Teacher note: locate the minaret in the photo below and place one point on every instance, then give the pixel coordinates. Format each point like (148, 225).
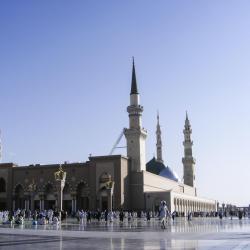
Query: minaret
(1, 148)
(188, 160)
(135, 134)
(158, 141)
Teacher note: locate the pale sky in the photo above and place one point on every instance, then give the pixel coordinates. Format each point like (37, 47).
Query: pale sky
(65, 74)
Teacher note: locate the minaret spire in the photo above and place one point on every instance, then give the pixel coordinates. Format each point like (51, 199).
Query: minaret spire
(188, 160)
(1, 147)
(158, 140)
(187, 122)
(135, 134)
(134, 89)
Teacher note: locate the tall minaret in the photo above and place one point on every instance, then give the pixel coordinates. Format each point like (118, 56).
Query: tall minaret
(1, 152)
(188, 160)
(135, 134)
(158, 140)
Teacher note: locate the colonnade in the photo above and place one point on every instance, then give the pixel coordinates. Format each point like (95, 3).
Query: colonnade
(184, 206)
(39, 202)
(29, 202)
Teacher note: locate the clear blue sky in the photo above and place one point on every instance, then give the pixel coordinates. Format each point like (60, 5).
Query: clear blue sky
(65, 73)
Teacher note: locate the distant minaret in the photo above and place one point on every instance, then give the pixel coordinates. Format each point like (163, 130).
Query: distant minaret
(158, 141)
(188, 160)
(1, 147)
(135, 134)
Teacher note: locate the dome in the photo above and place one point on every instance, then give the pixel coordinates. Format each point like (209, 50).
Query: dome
(158, 167)
(168, 173)
(155, 166)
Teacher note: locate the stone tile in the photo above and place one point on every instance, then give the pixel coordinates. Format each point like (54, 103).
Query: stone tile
(201, 233)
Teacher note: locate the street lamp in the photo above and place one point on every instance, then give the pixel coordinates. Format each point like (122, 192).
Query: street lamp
(110, 188)
(60, 177)
(32, 190)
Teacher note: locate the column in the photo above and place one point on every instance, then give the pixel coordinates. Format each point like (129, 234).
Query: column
(182, 206)
(73, 202)
(110, 197)
(72, 206)
(41, 201)
(185, 207)
(14, 205)
(32, 201)
(28, 204)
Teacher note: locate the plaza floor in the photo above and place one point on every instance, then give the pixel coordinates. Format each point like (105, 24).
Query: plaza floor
(200, 233)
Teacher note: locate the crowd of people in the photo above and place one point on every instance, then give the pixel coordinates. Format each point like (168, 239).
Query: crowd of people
(54, 217)
(37, 217)
(110, 216)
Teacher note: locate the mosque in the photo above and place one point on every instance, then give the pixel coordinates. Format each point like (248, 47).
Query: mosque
(110, 181)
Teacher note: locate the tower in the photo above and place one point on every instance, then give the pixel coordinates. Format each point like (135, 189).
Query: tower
(1, 148)
(188, 160)
(135, 134)
(158, 141)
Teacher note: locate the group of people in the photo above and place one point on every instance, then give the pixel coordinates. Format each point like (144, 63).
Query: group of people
(37, 217)
(7, 217)
(88, 216)
(47, 217)
(55, 217)
(110, 216)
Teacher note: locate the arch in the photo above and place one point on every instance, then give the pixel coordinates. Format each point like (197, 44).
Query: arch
(104, 180)
(2, 185)
(82, 195)
(81, 188)
(46, 186)
(49, 189)
(19, 196)
(67, 198)
(19, 190)
(49, 196)
(75, 187)
(105, 177)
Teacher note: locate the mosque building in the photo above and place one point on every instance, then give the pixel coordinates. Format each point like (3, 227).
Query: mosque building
(111, 181)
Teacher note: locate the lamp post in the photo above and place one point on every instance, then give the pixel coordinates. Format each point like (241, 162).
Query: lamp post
(60, 177)
(110, 188)
(32, 190)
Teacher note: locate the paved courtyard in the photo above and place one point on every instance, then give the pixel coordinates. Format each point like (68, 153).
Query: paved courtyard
(200, 233)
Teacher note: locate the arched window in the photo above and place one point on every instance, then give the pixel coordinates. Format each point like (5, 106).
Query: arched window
(2, 185)
(19, 191)
(105, 177)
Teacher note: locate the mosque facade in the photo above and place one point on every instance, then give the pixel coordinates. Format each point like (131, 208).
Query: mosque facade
(112, 181)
